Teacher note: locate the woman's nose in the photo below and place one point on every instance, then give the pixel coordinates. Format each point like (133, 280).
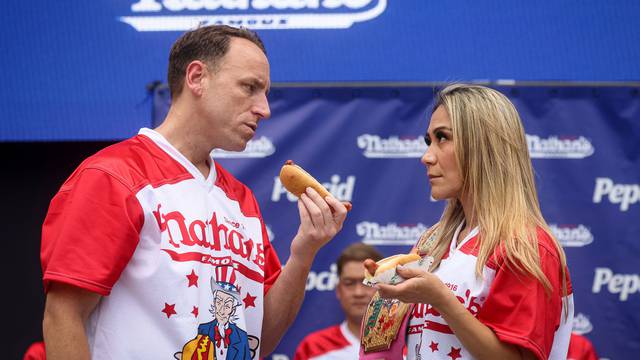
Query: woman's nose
(428, 158)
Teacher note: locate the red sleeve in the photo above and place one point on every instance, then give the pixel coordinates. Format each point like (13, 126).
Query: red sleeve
(272, 266)
(321, 342)
(303, 351)
(520, 311)
(580, 348)
(35, 352)
(90, 232)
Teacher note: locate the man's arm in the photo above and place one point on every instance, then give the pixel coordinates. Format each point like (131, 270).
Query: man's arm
(318, 225)
(66, 311)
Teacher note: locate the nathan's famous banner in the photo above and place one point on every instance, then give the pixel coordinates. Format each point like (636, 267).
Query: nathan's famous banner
(364, 144)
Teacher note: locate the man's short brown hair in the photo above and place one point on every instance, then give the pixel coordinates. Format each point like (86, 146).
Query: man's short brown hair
(357, 252)
(208, 44)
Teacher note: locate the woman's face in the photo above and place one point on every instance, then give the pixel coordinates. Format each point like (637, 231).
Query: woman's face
(440, 159)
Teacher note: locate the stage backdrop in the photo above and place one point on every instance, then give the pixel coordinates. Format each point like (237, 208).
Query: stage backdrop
(77, 70)
(365, 145)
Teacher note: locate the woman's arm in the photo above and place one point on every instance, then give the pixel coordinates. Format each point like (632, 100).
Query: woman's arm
(477, 338)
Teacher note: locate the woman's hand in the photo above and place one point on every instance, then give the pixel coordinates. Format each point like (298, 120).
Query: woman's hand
(420, 287)
(477, 338)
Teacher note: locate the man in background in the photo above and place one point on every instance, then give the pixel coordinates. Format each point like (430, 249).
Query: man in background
(580, 348)
(342, 341)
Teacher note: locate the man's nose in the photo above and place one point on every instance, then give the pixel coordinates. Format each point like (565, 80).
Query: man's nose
(261, 108)
(361, 289)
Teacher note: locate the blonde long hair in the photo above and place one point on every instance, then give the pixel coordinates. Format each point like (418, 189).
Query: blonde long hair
(497, 176)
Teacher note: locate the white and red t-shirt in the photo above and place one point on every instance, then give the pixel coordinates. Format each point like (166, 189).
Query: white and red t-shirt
(333, 343)
(517, 308)
(139, 224)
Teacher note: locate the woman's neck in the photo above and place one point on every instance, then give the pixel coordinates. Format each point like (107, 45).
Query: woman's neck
(470, 220)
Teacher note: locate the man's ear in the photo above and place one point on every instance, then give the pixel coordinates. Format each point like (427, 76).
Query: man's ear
(196, 73)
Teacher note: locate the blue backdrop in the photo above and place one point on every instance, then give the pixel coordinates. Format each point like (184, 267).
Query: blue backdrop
(365, 144)
(77, 70)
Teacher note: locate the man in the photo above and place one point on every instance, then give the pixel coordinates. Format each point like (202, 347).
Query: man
(343, 341)
(138, 230)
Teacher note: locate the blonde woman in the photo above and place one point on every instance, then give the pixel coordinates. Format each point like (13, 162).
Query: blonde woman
(499, 287)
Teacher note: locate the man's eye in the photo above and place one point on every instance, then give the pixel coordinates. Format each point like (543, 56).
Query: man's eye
(250, 87)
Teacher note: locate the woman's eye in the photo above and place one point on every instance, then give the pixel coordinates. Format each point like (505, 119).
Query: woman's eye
(427, 140)
(441, 136)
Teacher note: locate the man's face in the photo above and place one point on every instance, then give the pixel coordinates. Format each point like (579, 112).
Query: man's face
(352, 294)
(234, 96)
(224, 306)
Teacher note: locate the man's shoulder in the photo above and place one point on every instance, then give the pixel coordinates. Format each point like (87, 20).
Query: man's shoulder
(226, 179)
(321, 342)
(331, 336)
(136, 162)
(236, 190)
(331, 331)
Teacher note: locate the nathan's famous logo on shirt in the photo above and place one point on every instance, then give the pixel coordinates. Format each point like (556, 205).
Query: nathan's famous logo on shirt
(623, 284)
(581, 324)
(435, 322)
(323, 280)
(256, 148)
(196, 240)
(181, 15)
(623, 194)
(341, 190)
(572, 235)
(559, 147)
(376, 147)
(373, 233)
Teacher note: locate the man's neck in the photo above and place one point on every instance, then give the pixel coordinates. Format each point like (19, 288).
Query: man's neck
(354, 328)
(186, 140)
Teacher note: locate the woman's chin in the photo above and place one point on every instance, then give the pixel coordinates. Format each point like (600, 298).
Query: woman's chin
(438, 196)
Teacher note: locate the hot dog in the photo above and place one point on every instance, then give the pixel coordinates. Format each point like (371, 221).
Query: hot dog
(375, 268)
(370, 266)
(296, 180)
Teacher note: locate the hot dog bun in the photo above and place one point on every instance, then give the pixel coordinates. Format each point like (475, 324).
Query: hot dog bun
(390, 263)
(296, 180)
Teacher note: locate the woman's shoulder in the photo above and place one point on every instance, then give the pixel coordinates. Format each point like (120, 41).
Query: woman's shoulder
(547, 250)
(546, 244)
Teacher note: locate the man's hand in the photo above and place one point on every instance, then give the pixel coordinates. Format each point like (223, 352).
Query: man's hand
(320, 220)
